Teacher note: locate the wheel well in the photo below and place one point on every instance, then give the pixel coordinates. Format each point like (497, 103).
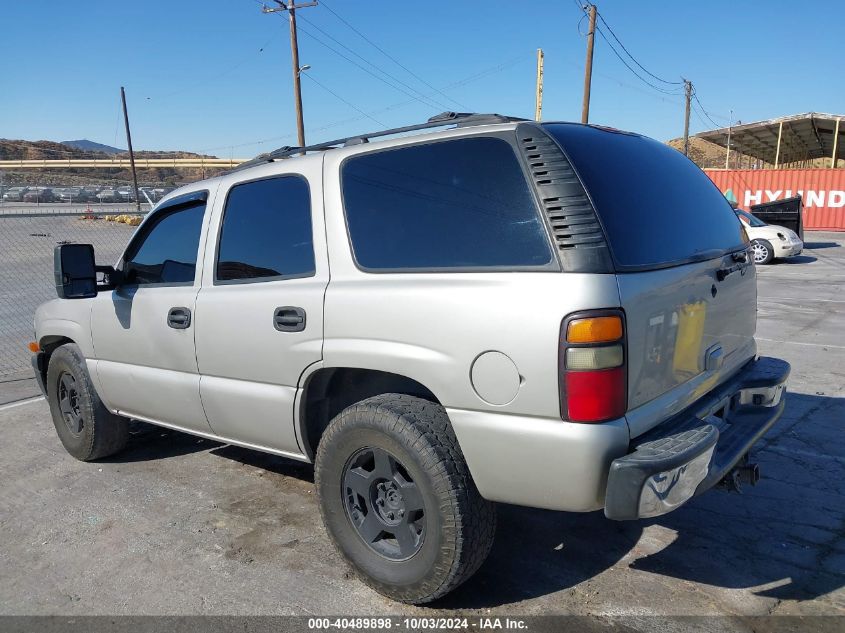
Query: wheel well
(48, 345)
(329, 391)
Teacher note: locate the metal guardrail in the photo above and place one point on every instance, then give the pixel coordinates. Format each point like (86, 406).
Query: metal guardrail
(27, 241)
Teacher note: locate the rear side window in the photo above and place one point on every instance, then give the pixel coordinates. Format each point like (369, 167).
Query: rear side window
(657, 207)
(461, 204)
(166, 251)
(266, 231)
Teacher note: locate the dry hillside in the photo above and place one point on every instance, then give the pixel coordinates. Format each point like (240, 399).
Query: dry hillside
(706, 154)
(32, 150)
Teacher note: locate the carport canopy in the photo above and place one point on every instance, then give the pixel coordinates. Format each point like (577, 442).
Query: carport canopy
(786, 139)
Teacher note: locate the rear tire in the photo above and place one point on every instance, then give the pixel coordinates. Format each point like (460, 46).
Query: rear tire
(87, 430)
(397, 498)
(762, 252)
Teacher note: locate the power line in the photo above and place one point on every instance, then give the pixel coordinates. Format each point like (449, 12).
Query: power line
(396, 80)
(367, 70)
(634, 72)
(644, 69)
(351, 105)
(704, 123)
(627, 65)
(191, 85)
(707, 114)
(391, 58)
(456, 84)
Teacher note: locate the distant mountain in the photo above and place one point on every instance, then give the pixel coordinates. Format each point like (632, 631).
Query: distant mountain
(91, 146)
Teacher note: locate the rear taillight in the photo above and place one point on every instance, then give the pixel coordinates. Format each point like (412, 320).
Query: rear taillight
(593, 385)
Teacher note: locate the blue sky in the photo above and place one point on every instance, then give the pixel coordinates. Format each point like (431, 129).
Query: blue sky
(215, 76)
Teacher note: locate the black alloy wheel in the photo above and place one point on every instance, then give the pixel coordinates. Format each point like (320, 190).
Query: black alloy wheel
(384, 504)
(69, 403)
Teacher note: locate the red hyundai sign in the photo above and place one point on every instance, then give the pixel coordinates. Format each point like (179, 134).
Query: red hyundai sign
(822, 190)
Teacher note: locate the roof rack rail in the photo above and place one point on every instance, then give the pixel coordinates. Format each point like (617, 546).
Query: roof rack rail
(459, 119)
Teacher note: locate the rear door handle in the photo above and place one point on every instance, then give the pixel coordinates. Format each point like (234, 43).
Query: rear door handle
(179, 318)
(289, 319)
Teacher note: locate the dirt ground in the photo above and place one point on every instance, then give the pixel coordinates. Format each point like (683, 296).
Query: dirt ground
(178, 525)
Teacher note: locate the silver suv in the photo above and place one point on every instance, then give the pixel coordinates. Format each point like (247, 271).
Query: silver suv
(492, 310)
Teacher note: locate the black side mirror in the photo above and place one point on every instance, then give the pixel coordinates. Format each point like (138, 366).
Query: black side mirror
(74, 271)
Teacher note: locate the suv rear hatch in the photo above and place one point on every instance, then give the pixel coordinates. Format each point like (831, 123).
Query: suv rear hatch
(686, 285)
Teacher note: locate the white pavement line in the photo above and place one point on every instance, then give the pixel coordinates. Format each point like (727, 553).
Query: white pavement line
(775, 300)
(20, 403)
(775, 277)
(774, 340)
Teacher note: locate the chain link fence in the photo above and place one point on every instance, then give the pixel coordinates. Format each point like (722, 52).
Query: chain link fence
(27, 240)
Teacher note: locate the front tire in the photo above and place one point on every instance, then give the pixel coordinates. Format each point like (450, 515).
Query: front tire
(762, 252)
(397, 498)
(87, 430)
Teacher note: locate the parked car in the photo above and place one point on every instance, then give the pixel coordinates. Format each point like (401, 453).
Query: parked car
(125, 193)
(67, 194)
(39, 195)
(550, 315)
(109, 196)
(15, 194)
(769, 241)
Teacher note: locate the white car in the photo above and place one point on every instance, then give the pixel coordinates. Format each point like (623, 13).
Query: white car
(769, 241)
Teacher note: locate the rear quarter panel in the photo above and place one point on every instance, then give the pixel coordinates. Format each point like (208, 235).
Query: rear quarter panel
(432, 326)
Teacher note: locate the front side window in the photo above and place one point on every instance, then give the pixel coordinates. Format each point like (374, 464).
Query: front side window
(461, 204)
(266, 231)
(166, 251)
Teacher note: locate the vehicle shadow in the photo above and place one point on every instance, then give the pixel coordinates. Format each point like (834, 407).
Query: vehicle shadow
(271, 463)
(148, 442)
(814, 245)
(795, 259)
(783, 536)
(781, 539)
(538, 552)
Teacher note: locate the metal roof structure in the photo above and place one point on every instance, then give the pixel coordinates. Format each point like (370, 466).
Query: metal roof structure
(785, 140)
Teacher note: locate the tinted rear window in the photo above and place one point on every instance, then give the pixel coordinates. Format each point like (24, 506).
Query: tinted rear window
(657, 207)
(446, 205)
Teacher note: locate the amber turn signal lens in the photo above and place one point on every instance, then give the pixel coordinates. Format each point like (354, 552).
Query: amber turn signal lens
(34, 347)
(594, 330)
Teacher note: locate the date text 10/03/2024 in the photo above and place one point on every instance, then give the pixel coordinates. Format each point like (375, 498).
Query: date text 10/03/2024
(417, 624)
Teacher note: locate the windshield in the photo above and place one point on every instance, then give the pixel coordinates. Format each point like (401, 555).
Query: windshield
(657, 208)
(752, 220)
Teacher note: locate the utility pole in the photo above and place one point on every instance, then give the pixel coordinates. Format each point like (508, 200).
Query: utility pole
(730, 127)
(131, 153)
(291, 8)
(688, 96)
(588, 70)
(538, 97)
